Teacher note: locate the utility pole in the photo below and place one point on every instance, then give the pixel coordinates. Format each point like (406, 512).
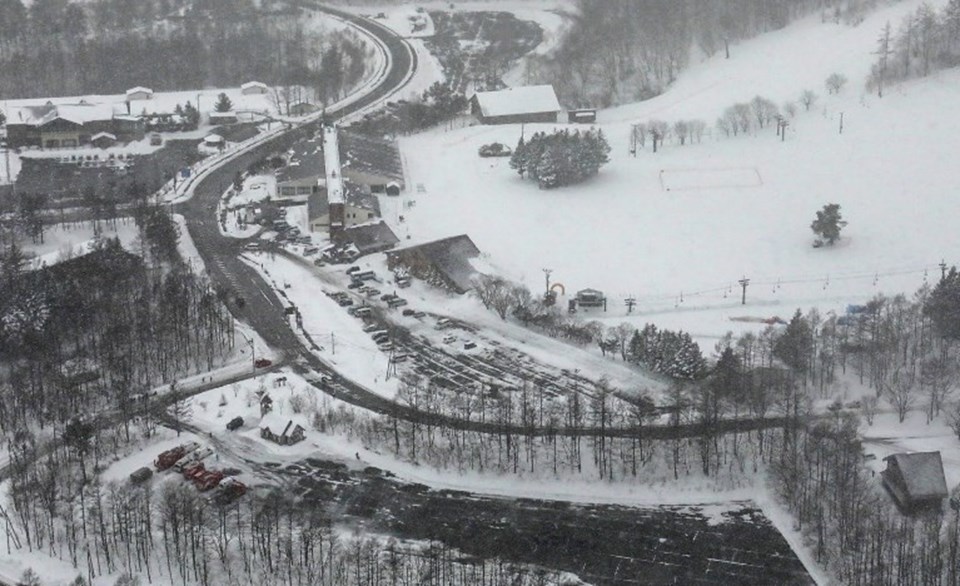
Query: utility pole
(546, 274)
(841, 122)
(943, 269)
(743, 283)
(333, 343)
(631, 302)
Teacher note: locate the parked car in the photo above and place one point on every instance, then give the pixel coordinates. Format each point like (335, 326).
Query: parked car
(449, 339)
(353, 269)
(469, 345)
(396, 302)
(141, 475)
(495, 149)
(355, 285)
(262, 362)
(235, 423)
(344, 301)
(371, 327)
(252, 246)
(408, 311)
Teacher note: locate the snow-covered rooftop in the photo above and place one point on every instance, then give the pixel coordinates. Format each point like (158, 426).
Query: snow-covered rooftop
(253, 84)
(78, 113)
(139, 89)
(331, 161)
(518, 100)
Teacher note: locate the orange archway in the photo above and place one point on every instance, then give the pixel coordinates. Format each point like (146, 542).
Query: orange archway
(563, 290)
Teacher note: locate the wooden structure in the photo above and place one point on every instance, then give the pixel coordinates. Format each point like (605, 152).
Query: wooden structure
(292, 434)
(915, 480)
(591, 298)
(582, 116)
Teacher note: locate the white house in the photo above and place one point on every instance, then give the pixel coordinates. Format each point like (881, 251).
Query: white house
(139, 93)
(252, 88)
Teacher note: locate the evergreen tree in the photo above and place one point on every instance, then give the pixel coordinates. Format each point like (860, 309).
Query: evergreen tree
(943, 306)
(795, 345)
(223, 103)
(518, 160)
(548, 174)
(828, 224)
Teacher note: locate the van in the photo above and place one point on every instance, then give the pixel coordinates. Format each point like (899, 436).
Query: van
(444, 322)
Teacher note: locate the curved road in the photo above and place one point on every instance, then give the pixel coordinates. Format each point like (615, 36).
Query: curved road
(264, 311)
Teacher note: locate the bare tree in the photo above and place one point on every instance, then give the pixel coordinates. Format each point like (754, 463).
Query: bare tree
(835, 83)
(898, 387)
(763, 109)
(681, 129)
(808, 98)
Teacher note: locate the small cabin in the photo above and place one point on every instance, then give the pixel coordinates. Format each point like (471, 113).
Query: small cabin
(582, 116)
(591, 298)
(252, 88)
(915, 480)
(139, 93)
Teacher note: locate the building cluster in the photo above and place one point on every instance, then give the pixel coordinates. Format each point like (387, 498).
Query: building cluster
(103, 123)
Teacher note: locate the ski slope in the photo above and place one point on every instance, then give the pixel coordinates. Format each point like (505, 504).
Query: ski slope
(679, 228)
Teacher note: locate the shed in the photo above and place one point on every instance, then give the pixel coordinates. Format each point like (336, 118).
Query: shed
(517, 105)
(139, 93)
(393, 188)
(582, 115)
(915, 479)
(253, 88)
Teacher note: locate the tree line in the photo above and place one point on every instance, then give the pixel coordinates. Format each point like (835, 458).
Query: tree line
(100, 330)
(167, 531)
(925, 41)
(622, 50)
(63, 47)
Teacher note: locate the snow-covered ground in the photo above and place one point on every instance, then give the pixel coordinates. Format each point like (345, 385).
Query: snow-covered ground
(681, 252)
(65, 241)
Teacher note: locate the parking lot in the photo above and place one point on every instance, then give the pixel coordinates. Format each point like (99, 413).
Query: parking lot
(603, 544)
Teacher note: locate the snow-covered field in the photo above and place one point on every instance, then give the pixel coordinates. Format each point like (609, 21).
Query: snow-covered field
(65, 241)
(743, 205)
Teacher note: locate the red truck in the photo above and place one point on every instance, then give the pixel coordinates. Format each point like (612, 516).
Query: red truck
(169, 458)
(193, 471)
(208, 480)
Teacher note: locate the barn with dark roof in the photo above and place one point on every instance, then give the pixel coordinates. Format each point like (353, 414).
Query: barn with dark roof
(537, 103)
(915, 480)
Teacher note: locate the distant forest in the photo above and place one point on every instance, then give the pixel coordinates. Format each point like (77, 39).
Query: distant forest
(63, 47)
(624, 50)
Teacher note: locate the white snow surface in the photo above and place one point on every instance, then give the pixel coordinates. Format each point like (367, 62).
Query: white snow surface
(748, 201)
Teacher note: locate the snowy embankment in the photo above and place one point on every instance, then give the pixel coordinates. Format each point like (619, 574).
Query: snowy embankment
(742, 206)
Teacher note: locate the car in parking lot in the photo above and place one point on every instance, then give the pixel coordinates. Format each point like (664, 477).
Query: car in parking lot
(469, 345)
(371, 292)
(262, 363)
(344, 301)
(396, 302)
(387, 296)
(409, 311)
(355, 285)
(251, 246)
(385, 346)
(235, 423)
(449, 339)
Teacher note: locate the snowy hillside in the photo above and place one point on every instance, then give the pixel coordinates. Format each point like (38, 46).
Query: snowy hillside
(678, 228)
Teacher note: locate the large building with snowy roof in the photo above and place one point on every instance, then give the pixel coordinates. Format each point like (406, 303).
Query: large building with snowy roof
(68, 125)
(537, 103)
